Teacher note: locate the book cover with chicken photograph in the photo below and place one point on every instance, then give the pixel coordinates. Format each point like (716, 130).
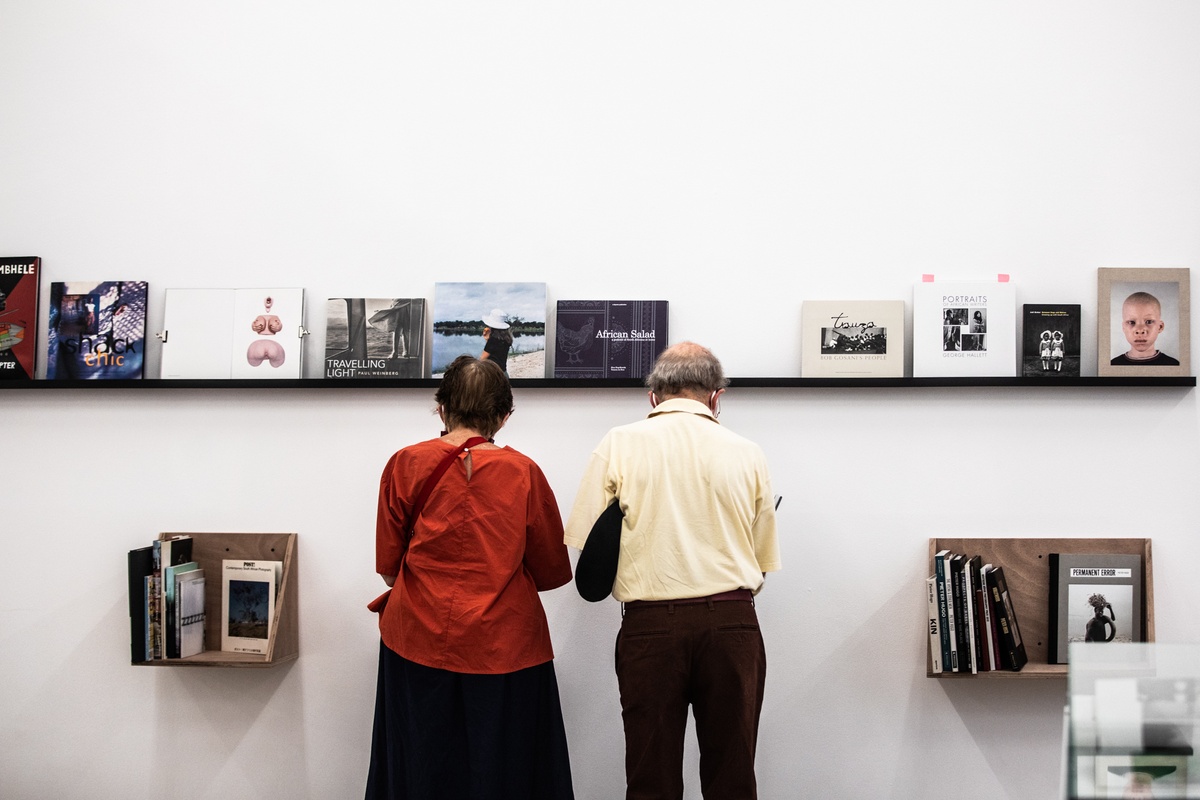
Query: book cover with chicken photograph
(608, 338)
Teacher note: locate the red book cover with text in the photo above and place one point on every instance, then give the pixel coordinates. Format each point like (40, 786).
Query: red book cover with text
(18, 316)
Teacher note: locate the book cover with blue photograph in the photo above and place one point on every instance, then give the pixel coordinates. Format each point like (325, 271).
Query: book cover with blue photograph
(97, 330)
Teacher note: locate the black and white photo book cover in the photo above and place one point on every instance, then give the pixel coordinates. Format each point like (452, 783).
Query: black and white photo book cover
(1094, 597)
(964, 328)
(852, 339)
(375, 337)
(1050, 340)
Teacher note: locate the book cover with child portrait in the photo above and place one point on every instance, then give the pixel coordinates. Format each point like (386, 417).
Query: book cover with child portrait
(1143, 322)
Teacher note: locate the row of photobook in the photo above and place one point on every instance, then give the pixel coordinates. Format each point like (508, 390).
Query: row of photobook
(973, 622)
(97, 330)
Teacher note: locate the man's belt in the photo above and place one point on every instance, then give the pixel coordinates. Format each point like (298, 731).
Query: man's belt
(733, 594)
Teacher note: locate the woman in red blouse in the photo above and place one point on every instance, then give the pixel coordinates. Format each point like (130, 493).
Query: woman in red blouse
(467, 704)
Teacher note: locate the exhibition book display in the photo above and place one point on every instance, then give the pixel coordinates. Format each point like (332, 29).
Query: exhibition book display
(964, 333)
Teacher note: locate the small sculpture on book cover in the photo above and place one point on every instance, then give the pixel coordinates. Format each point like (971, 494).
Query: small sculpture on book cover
(1100, 623)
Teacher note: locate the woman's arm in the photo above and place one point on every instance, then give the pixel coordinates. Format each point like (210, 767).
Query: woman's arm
(546, 556)
(389, 525)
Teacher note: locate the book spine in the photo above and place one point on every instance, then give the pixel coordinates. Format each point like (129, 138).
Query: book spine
(945, 612)
(168, 614)
(961, 620)
(987, 623)
(1052, 654)
(1012, 648)
(977, 629)
(191, 617)
(156, 616)
(140, 564)
(935, 638)
(969, 614)
(997, 611)
(148, 613)
(177, 620)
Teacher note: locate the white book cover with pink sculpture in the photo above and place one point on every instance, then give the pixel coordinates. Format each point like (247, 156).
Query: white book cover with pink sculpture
(233, 333)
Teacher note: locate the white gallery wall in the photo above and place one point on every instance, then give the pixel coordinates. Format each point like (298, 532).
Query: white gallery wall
(732, 158)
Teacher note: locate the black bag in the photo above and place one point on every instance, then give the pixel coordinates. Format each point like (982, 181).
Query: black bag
(596, 569)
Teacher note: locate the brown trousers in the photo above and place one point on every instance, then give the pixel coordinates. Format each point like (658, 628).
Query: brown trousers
(706, 655)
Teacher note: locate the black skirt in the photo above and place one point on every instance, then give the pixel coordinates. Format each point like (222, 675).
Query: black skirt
(443, 735)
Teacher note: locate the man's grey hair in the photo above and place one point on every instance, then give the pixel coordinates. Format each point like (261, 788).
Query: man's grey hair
(686, 367)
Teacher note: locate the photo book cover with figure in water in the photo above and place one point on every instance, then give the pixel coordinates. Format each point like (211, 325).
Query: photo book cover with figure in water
(504, 322)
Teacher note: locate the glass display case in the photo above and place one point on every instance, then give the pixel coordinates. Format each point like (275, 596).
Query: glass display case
(1131, 721)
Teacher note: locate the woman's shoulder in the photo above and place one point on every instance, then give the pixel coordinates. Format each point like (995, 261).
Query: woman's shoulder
(518, 459)
(428, 445)
(420, 451)
(510, 452)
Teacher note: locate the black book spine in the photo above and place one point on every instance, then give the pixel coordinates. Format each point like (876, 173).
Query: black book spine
(977, 617)
(1012, 647)
(962, 619)
(1052, 614)
(141, 564)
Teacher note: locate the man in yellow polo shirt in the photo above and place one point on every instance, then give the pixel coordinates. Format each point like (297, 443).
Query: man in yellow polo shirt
(697, 539)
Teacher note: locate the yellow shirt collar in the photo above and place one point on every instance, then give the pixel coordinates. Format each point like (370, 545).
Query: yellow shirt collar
(682, 404)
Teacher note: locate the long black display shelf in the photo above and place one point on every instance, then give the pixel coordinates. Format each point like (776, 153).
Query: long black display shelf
(620, 383)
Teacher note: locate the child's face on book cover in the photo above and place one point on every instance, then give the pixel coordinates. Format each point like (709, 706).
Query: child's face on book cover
(1142, 325)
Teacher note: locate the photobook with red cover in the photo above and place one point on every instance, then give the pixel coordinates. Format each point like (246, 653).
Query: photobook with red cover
(18, 316)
